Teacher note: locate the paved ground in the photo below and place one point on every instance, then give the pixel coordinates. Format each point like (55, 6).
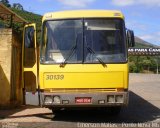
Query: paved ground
(143, 111)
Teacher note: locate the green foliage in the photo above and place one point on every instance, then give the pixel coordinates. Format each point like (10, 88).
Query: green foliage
(132, 67)
(28, 16)
(17, 6)
(31, 18)
(143, 64)
(5, 2)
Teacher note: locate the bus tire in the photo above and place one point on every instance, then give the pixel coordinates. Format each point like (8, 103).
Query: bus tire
(114, 111)
(55, 111)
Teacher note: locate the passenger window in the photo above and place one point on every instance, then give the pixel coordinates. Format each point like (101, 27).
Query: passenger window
(29, 47)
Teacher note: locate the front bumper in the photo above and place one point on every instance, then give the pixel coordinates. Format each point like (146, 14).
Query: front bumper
(97, 99)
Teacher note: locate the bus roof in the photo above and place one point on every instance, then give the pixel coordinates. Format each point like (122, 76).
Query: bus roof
(83, 14)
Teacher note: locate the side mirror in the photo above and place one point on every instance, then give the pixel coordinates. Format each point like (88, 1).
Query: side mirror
(130, 38)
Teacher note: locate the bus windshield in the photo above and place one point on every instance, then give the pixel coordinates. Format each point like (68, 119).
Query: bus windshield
(83, 41)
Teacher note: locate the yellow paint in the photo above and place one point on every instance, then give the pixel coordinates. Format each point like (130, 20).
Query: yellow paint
(85, 76)
(34, 68)
(83, 14)
(5, 66)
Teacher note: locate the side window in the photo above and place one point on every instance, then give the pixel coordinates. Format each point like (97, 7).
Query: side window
(29, 47)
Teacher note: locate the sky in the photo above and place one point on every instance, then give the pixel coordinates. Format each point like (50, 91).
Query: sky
(142, 16)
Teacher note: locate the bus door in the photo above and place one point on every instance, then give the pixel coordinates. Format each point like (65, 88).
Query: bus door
(29, 65)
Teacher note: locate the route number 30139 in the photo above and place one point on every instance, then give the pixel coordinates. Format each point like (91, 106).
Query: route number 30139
(54, 77)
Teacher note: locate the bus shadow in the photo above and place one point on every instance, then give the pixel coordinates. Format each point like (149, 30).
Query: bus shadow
(138, 111)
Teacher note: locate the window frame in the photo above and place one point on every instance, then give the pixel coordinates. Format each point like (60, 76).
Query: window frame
(83, 48)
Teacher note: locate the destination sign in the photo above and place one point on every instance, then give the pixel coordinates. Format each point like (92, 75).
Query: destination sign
(144, 51)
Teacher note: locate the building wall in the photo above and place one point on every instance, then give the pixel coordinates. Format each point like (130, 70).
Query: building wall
(5, 65)
(16, 77)
(10, 69)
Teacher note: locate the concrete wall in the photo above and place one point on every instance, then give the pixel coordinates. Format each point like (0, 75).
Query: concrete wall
(10, 69)
(16, 68)
(5, 66)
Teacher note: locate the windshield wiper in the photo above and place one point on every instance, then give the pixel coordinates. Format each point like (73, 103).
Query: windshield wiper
(70, 54)
(93, 52)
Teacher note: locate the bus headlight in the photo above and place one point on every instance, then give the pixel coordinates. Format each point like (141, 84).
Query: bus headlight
(56, 100)
(48, 100)
(111, 99)
(119, 98)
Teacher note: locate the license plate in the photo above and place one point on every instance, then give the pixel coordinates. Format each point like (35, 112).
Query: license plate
(80, 100)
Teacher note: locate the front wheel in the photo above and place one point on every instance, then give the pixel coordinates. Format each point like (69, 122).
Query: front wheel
(55, 111)
(114, 110)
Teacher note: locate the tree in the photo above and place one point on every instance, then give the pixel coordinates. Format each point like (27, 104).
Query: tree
(18, 6)
(132, 67)
(5, 2)
(146, 63)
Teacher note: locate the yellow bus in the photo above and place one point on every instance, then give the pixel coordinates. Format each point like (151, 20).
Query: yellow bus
(82, 60)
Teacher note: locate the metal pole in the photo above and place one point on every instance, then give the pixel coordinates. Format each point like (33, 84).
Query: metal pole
(156, 60)
(157, 65)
